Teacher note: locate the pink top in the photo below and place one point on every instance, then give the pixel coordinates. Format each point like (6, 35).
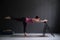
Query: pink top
(29, 20)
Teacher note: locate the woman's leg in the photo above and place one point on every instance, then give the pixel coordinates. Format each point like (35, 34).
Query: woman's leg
(24, 24)
(22, 19)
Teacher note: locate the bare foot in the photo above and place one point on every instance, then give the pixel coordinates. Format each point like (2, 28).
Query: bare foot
(25, 34)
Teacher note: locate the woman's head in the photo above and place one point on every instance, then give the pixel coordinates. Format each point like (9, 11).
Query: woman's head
(36, 17)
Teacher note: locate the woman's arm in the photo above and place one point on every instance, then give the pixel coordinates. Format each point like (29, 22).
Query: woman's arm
(36, 20)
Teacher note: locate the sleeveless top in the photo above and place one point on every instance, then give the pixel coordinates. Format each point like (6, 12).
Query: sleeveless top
(29, 20)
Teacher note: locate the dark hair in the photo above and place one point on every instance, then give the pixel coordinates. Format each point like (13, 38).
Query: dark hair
(36, 17)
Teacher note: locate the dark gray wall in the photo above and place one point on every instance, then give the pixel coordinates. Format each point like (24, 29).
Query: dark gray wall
(22, 8)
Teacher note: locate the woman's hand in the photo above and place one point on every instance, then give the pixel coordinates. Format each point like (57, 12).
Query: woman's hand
(45, 20)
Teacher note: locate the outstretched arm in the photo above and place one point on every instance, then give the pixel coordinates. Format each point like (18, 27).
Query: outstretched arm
(36, 20)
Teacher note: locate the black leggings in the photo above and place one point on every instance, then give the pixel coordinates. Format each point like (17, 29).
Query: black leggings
(23, 19)
(24, 24)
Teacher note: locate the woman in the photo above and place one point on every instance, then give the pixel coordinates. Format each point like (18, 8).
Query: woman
(26, 20)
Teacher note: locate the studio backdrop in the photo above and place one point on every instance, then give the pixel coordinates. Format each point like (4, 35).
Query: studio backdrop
(45, 9)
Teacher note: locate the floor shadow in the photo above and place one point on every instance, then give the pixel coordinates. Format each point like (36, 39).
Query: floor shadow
(29, 36)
